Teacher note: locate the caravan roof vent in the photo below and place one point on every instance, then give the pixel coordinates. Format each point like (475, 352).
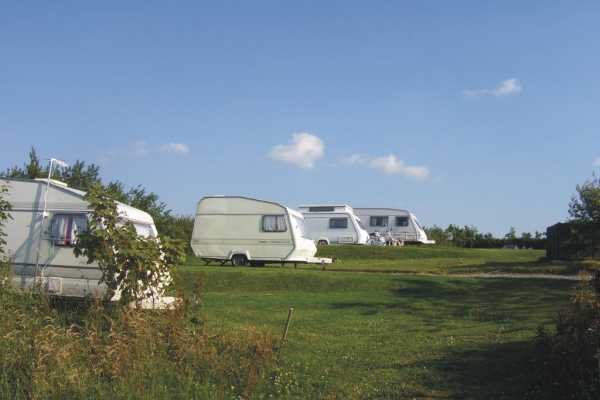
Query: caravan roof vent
(321, 209)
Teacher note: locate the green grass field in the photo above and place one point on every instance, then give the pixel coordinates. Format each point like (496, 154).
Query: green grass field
(438, 260)
(372, 335)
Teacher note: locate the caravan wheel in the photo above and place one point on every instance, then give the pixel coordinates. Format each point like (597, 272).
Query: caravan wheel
(322, 243)
(239, 260)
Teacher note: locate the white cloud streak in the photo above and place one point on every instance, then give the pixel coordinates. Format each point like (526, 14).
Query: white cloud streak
(141, 149)
(303, 150)
(175, 148)
(508, 87)
(389, 164)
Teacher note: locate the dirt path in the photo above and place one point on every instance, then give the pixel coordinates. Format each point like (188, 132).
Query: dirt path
(509, 275)
(518, 276)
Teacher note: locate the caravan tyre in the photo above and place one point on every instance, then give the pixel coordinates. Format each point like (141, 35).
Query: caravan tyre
(239, 260)
(322, 243)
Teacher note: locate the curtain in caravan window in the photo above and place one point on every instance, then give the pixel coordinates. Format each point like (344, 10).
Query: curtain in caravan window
(66, 227)
(338, 223)
(274, 223)
(378, 221)
(401, 221)
(143, 230)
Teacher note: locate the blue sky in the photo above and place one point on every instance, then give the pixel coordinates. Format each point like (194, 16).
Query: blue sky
(463, 112)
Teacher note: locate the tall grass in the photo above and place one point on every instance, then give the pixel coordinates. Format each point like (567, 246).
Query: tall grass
(568, 360)
(53, 349)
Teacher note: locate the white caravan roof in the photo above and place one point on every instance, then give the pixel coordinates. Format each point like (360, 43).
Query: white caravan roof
(63, 197)
(246, 205)
(326, 208)
(369, 209)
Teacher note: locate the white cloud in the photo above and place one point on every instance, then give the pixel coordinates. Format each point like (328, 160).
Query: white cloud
(392, 165)
(303, 150)
(141, 149)
(177, 148)
(505, 88)
(596, 162)
(355, 159)
(389, 164)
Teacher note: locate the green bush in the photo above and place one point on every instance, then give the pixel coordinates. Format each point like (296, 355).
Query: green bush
(568, 361)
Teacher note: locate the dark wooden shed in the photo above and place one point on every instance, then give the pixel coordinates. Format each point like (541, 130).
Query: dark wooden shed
(569, 240)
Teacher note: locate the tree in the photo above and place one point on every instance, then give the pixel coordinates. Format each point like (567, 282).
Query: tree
(33, 169)
(585, 205)
(80, 176)
(436, 233)
(5, 209)
(512, 234)
(526, 236)
(137, 267)
(584, 210)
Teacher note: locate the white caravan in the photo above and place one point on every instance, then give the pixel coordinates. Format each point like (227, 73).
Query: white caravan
(245, 231)
(328, 224)
(47, 216)
(395, 223)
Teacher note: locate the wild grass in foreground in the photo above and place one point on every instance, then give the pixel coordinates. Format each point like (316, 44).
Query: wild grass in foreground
(371, 336)
(59, 349)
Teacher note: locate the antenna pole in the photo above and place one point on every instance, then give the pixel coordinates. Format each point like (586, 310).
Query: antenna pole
(37, 261)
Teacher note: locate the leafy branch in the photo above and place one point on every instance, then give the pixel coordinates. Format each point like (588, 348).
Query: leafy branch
(133, 267)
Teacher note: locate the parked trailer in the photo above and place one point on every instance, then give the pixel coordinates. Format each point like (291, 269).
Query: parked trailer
(244, 231)
(395, 223)
(329, 224)
(47, 217)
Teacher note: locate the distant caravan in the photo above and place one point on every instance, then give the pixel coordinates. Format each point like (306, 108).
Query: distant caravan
(247, 231)
(331, 224)
(395, 223)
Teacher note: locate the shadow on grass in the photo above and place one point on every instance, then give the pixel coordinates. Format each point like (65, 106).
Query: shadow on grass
(540, 266)
(472, 299)
(497, 371)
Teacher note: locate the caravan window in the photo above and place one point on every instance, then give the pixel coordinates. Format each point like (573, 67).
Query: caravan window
(378, 221)
(401, 221)
(274, 223)
(338, 223)
(66, 227)
(143, 230)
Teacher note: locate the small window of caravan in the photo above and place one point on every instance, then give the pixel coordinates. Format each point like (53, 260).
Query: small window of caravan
(378, 221)
(338, 223)
(401, 221)
(274, 223)
(65, 228)
(143, 230)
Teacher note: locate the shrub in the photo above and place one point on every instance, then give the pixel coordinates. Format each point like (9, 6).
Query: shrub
(133, 267)
(568, 361)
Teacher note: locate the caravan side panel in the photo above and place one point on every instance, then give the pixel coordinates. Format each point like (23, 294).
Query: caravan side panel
(228, 225)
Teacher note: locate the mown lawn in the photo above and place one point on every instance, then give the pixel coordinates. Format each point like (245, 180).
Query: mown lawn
(434, 259)
(438, 260)
(362, 335)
